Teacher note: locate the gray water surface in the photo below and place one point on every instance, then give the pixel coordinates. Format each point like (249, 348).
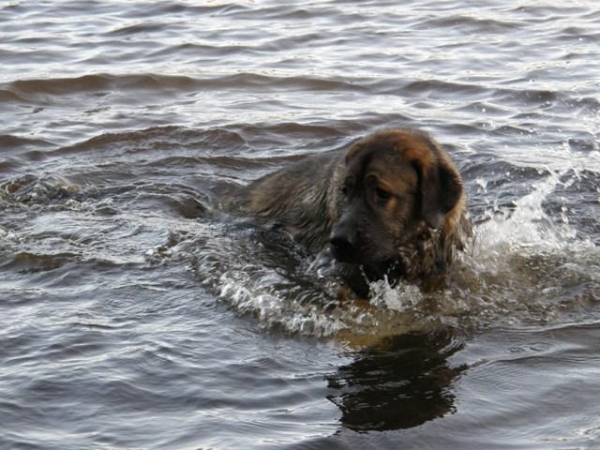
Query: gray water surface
(134, 315)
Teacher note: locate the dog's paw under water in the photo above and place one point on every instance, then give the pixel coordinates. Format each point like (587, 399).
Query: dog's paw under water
(523, 268)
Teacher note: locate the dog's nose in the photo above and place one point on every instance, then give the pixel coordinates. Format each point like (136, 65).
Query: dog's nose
(343, 243)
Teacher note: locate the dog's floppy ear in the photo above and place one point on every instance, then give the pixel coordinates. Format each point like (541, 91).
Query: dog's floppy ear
(440, 186)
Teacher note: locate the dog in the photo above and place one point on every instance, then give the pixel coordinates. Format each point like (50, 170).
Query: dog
(390, 206)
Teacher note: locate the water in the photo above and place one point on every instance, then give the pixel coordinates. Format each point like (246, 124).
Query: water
(133, 314)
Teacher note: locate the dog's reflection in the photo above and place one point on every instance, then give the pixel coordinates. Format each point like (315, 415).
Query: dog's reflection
(402, 383)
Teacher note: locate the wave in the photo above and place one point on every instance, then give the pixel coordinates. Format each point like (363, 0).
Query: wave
(96, 82)
(26, 89)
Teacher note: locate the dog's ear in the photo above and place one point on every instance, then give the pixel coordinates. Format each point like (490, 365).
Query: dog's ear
(440, 186)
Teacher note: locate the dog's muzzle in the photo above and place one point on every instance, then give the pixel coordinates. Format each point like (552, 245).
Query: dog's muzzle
(343, 241)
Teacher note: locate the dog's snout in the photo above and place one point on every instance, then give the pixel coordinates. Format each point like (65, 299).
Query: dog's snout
(343, 240)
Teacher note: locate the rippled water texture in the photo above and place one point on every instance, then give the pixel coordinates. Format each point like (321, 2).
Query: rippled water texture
(134, 314)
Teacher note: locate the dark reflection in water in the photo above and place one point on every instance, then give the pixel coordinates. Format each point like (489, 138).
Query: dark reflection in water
(402, 383)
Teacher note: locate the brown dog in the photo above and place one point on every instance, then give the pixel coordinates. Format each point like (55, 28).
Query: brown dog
(392, 205)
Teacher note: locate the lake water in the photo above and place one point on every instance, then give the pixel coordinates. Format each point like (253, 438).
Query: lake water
(134, 315)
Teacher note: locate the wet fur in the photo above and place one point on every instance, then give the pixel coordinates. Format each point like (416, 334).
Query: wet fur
(412, 235)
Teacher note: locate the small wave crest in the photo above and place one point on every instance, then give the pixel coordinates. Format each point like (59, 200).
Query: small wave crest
(30, 189)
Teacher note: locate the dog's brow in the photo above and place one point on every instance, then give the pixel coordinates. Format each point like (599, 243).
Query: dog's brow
(371, 177)
(350, 180)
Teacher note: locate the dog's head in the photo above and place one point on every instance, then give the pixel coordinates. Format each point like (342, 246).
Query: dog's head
(392, 183)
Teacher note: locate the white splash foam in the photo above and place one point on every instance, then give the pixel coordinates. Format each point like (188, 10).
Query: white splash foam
(527, 229)
(256, 296)
(402, 298)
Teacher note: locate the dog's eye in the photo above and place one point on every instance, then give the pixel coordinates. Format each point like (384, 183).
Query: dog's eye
(382, 195)
(346, 188)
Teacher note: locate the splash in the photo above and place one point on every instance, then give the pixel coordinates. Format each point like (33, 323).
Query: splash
(525, 266)
(527, 228)
(528, 231)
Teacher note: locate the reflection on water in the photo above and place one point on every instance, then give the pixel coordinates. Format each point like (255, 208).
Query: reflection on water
(403, 382)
